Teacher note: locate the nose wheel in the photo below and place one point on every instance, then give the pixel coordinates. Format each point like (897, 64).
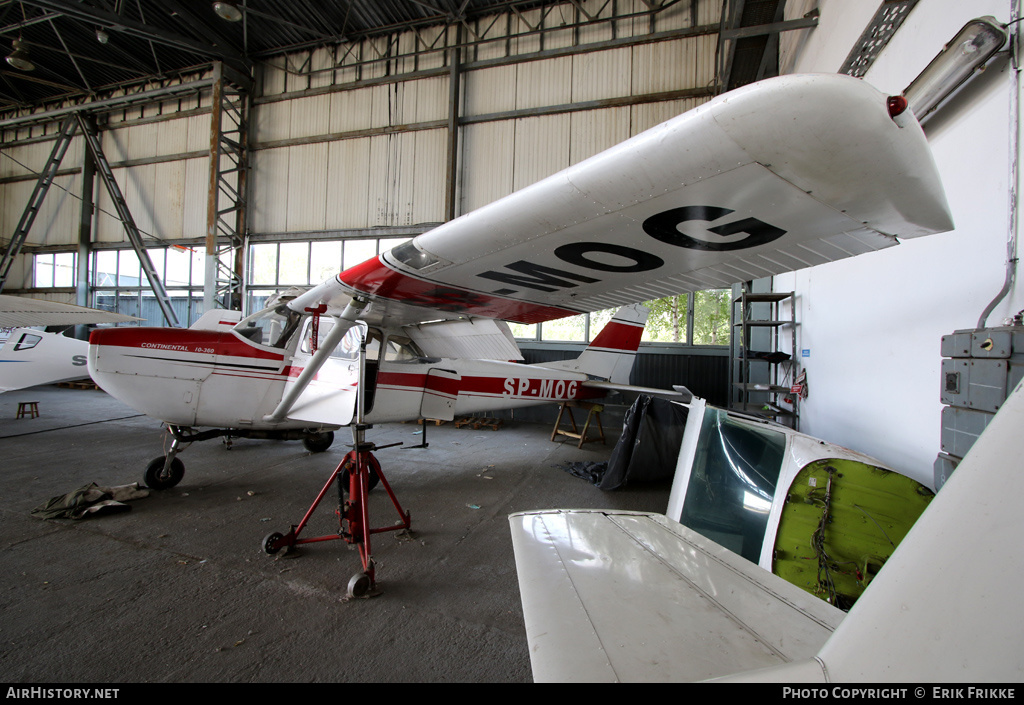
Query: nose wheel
(166, 471)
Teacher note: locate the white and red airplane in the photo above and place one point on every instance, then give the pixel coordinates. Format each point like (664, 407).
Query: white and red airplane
(31, 356)
(776, 176)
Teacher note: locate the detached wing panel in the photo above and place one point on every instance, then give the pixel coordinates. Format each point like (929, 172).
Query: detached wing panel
(782, 174)
(629, 597)
(21, 311)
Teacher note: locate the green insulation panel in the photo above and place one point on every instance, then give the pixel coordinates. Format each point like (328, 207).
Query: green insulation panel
(841, 521)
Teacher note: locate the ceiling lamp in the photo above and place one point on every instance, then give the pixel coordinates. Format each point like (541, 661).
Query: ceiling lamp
(966, 53)
(101, 36)
(19, 57)
(227, 11)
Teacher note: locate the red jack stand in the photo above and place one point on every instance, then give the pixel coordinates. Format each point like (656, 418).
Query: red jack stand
(353, 513)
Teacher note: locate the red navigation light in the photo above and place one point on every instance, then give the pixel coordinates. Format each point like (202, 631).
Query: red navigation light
(896, 104)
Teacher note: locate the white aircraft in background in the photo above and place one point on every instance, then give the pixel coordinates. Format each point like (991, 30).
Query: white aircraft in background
(29, 356)
(614, 596)
(776, 176)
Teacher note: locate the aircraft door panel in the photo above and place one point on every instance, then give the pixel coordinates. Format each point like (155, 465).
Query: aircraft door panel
(440, 392)
(330, 397)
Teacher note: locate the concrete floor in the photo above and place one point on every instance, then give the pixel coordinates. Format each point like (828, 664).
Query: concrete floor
(179, 589)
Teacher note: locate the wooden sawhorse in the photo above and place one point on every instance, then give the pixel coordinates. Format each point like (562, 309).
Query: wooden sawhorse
(593, 410)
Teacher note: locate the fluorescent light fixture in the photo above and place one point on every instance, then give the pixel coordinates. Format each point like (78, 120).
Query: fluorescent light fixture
(19, 57)
(227, 11)
(966, 53)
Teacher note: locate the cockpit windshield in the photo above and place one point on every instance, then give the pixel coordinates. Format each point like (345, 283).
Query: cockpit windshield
(272, 326)
(733, 482)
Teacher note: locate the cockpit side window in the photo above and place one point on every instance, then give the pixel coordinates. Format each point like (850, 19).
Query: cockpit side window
(347, 349)
(27, 341)
(401, 349)
(273, 327)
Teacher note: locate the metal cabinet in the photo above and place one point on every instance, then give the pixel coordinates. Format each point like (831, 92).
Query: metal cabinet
(979, 370)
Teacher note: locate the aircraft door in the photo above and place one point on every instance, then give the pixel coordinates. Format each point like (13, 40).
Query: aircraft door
(440, 392)
(330, 398)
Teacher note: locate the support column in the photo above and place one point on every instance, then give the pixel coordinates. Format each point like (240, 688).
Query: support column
(454, 103)
(88, 209)
(224, 282)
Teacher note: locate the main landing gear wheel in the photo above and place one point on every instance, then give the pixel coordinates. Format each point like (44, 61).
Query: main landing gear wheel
(157, 479)
(318, 442)
(374, 479)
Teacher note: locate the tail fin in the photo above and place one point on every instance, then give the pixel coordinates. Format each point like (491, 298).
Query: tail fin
(611, 354)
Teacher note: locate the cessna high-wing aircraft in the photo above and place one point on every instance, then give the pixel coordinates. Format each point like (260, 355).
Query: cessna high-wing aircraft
(776, 176)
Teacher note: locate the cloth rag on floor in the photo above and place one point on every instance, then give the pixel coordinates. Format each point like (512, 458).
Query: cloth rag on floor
(90, 500)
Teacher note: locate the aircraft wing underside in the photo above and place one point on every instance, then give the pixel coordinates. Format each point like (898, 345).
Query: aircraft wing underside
(782, 174)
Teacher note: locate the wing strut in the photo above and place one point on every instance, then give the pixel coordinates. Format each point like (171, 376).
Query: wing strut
(341, 326)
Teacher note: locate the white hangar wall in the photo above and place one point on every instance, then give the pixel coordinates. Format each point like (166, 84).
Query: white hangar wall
(872, 325)
(159, 156)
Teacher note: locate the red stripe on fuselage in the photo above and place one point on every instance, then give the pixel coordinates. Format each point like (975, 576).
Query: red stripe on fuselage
(188, 341)
(520, 387)
(375, 278)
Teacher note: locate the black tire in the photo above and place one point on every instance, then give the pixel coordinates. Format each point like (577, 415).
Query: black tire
(155, 477)
(318, 442)
(374, 478)
(268, 543)
(359, 585)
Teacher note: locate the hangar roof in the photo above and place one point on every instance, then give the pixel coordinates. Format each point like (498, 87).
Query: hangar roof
(156, 39)
(81, 50)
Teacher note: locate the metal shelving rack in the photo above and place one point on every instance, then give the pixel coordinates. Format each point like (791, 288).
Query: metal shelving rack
(761, 380)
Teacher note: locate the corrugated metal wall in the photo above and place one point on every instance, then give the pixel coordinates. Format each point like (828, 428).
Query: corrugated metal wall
(349, 138)
(160, 163)
(343, 142)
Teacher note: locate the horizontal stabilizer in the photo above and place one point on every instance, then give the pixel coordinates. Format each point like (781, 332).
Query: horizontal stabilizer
(677, 393)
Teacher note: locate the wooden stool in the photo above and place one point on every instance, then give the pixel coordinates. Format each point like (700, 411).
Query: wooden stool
(28, 408)
(593, 410)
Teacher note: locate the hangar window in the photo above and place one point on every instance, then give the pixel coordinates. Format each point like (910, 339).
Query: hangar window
(700, 320)
(276, 266)
(120, 285)
(54, 269)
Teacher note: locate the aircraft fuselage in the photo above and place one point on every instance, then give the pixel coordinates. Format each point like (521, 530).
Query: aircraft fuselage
(222, 379)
